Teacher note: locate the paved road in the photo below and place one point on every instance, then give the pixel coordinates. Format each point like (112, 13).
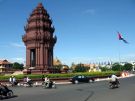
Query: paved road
(98, 91)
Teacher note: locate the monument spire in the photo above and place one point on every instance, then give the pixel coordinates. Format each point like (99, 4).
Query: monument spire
(40, 5)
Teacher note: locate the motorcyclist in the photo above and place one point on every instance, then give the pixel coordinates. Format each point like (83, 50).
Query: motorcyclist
(29, 81)
(114, 79)
(48, 83)
(3, 89)
(13, 81)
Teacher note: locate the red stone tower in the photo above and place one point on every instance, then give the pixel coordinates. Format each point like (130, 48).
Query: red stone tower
(39, 39)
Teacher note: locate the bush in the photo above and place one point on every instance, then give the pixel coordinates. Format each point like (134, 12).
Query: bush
(67, 75)
(104, 69)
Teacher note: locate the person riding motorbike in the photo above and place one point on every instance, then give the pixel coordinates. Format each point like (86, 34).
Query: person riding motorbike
(48, 83)
(114, 78)
(5, 91)
(27, 81)
(13, 81)
(114, 82)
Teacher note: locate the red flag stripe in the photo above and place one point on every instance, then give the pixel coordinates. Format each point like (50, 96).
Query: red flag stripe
(119, 36)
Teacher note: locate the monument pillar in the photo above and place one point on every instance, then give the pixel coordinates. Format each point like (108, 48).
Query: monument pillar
(28, 57)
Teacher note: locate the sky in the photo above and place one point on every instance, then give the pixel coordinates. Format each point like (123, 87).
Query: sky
(86, 30)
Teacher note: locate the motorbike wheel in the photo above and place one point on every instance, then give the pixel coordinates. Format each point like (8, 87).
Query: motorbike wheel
(31, 85)
(43, 84)
(10, 93)
(54, 86)
(111, 86)
(117, 86)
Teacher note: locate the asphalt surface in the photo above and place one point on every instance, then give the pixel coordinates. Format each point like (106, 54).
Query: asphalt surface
(98, 91)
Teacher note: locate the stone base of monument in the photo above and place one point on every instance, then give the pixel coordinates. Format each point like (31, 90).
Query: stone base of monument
(34, 71)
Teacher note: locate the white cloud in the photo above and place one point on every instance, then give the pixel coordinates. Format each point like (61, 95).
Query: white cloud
(130, 55)
(18, 59)
(18, 45)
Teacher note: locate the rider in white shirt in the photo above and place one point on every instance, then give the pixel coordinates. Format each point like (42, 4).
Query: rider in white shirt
(28, 79)
(114, 78)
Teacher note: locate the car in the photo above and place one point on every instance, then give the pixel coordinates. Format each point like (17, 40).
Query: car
(81, 78)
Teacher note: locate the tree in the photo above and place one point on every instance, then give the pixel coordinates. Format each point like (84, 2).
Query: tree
(117, 67)
(104, 68)
(17, 65)
(73, 65)
(81, 68)
(128, 66)
(58, 66)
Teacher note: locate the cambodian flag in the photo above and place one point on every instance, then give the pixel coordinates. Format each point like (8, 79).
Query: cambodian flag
(121, 38)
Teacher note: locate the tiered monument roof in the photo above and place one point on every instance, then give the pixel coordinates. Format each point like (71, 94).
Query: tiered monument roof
(39, 25)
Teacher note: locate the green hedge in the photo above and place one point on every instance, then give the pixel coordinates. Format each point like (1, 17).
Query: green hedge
(66, 75)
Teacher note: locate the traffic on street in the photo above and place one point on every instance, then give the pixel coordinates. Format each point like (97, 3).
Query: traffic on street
(97, 91)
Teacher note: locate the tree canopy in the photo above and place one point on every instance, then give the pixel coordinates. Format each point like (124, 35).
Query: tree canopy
(17, 65)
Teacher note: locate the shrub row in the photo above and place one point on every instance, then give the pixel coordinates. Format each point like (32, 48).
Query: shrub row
(66, 75)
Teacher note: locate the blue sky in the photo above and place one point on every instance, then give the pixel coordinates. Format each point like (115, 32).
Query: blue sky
(86, 29)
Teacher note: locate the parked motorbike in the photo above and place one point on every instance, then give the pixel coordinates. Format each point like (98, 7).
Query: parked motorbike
(50, 84)
(115, 84)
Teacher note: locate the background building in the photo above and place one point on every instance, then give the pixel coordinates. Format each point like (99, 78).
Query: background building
(5, 65)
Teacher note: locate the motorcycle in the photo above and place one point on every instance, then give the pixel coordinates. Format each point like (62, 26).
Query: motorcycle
(114, 84)
(28, 84)
(5, 92)
(13, 84)
(50, 84)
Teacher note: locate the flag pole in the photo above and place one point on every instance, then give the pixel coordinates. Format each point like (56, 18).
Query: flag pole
(121, 38)
(119, 57)
(119, 54)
